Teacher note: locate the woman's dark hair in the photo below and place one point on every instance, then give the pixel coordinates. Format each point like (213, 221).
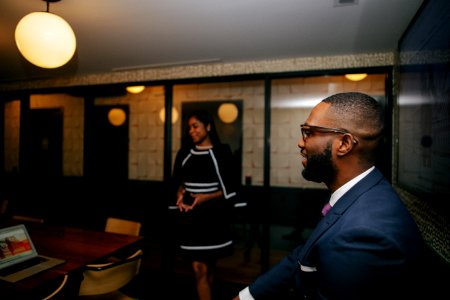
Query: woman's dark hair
(205, 117)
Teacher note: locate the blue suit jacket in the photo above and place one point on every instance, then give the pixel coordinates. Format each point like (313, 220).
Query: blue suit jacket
(366, 247)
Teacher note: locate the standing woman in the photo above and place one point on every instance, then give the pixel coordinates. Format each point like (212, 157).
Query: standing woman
(205, 192)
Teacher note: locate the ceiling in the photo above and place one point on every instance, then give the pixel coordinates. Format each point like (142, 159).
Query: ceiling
(115, 35)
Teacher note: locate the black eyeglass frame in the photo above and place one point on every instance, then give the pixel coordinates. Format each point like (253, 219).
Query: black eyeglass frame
(312, 128)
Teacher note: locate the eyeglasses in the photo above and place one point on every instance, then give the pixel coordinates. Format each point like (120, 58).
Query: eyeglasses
(307, 130)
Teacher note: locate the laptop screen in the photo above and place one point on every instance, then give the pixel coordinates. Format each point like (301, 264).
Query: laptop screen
(15, 246)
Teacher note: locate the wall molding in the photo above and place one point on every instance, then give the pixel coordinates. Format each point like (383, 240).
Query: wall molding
(204, 70)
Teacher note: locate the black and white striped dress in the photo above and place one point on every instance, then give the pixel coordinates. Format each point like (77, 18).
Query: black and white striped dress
(205, 231)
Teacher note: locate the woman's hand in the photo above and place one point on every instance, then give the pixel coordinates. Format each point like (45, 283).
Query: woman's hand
(187, 207)
(180, 196)
(198, 200)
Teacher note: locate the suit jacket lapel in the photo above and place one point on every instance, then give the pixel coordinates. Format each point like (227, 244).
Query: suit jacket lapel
(337, 211)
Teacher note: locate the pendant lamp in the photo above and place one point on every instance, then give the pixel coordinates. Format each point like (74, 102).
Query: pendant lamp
(356, 77)
(45, 39)
(135, 89)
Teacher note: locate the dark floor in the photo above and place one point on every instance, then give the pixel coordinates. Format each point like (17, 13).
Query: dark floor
(181, 287)
(232, 274)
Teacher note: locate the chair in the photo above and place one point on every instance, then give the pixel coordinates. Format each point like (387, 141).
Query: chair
(103, 281)
(122, 226)
(57, 293)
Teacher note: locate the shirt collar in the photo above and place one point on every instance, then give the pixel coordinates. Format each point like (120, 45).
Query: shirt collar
(344, 189)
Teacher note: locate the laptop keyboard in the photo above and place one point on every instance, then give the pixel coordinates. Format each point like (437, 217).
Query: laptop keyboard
(22, 265)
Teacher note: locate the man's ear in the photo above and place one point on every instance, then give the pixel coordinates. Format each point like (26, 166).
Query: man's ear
(208, 128)
(346, 144)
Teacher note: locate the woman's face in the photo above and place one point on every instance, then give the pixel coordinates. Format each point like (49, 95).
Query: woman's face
(198, 132)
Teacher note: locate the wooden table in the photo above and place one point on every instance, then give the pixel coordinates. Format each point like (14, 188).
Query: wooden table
(77, 246)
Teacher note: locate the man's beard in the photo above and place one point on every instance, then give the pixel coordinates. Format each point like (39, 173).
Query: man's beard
(320, 167)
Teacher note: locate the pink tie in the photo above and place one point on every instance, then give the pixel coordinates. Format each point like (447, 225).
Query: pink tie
(326, 208)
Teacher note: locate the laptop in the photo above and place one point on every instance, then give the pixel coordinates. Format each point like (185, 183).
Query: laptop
(18, 256)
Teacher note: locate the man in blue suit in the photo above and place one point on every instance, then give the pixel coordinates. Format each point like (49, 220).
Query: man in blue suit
(367, 246)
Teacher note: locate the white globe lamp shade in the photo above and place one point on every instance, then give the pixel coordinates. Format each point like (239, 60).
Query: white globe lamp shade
(117, 116)
(228, 112)
(162, 115)
(45, 39)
